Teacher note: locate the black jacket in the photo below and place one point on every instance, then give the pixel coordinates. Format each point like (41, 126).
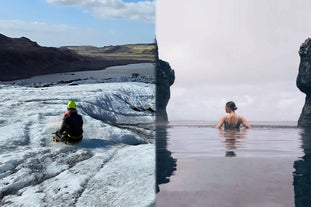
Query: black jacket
(72, 123)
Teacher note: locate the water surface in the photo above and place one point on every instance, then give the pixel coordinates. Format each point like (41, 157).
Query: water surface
(267, 165)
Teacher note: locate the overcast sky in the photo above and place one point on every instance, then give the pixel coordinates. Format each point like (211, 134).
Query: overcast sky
(241, 50)
(79, 22)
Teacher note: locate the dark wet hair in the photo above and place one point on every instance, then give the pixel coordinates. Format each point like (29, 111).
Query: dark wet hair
(231, 105)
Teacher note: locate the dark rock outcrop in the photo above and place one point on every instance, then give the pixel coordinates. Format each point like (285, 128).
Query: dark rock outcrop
(23, 58)
(165, 77)
(303, 82)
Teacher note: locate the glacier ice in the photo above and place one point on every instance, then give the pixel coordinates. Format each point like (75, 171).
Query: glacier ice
(112, 166)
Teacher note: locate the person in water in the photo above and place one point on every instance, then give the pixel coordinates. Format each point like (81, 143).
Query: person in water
(71, 128)
(232, 120)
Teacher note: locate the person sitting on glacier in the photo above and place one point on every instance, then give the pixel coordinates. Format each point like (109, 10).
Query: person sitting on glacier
(71, 130)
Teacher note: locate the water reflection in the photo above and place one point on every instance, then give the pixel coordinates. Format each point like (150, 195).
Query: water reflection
(302, 173)
(232, 140)
(165, 163)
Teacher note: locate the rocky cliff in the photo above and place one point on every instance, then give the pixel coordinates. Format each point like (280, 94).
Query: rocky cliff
(23, 58)
(165, 77)
(303, 82)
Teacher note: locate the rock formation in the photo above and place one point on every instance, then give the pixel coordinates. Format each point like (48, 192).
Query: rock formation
(165, 163)
(303, 82)
(165, 77)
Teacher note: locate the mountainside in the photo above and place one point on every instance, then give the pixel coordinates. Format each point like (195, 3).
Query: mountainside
(140, 52)
(23, 58)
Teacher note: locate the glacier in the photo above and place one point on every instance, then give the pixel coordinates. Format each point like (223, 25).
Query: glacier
(114, 165)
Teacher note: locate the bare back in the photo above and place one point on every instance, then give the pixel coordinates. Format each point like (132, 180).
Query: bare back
(232, 121)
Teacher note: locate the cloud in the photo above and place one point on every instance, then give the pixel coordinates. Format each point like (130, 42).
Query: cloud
(40, 32)
(56, 34)
(115, 9)
(18, 25)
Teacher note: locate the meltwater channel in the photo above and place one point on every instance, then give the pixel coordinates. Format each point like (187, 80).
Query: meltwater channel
(268, 165)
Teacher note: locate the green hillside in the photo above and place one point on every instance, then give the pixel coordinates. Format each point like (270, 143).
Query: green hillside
(140, 52)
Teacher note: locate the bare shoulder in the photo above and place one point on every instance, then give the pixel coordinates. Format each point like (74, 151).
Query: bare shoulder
(220, 122)
(244, 122)
(241, 118)
(225, 117)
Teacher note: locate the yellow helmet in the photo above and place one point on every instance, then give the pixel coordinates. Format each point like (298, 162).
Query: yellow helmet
(71, 105)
